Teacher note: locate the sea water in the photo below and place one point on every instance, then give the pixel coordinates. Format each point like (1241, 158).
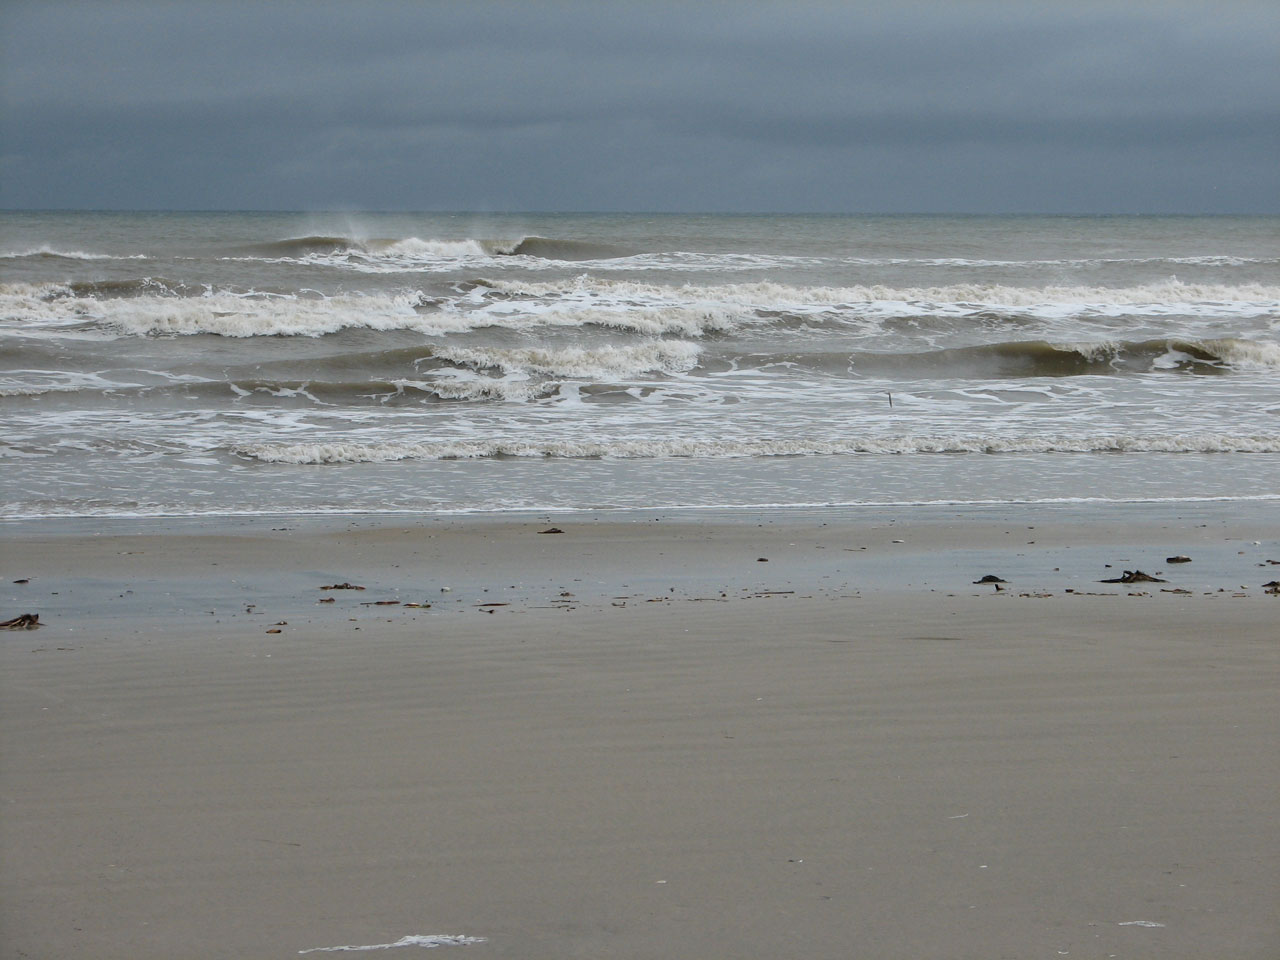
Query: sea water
(238, 363)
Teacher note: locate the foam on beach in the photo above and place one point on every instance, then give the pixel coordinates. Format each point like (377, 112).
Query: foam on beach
(427, 941)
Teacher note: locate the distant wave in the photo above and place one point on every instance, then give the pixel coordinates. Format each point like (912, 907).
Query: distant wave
(301, 246)
(547, 248)
(334, 250)
(46, 252)
(659, 448)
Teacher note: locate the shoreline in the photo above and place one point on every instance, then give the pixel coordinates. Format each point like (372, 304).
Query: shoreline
(695, 510)
(638, 738)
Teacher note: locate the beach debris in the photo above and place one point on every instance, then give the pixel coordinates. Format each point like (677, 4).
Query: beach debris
(1174, 590)
(342, 586)
(1134, 576)
(1272, 588)
(26, 621)
(326, 600)
(1180, 558)
(762, 559)
(551, 530)
(275, 630)
(991, 578)
(379, 603)
(418, 605)
(500, 604)
(23, 580)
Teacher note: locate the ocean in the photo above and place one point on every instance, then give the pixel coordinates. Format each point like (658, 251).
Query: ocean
(191, 364)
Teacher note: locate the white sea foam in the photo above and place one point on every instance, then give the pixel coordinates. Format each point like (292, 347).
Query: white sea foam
(415, 247)
(702, 448)
(532, 372)
(765, 294)
(233, 315)
(602, 363)
(455, 385)
(413, 940)
(648, 309)
(385, 256)
(649, 320)
(250, 314)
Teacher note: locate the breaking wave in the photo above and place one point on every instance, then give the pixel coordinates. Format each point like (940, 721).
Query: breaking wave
(158, 307)
(976, 295)
(323, 248)
(1039, 358)
(601, 363)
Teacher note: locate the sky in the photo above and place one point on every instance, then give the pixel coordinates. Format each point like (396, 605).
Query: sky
(1055, 106)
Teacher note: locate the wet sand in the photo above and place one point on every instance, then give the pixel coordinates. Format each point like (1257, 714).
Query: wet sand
(695, 737)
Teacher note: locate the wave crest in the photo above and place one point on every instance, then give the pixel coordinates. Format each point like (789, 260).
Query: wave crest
(601, 363)
(1171, 292)
(396, 253)
(47, 252)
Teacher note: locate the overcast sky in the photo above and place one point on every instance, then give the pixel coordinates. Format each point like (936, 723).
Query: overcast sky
(896, 106)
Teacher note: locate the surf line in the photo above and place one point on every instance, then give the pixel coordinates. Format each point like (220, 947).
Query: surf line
(413, 940)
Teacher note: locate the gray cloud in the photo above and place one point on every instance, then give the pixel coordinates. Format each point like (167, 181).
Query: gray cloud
(1069, 106)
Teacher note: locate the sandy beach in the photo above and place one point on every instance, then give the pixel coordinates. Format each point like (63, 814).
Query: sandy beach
(806, 734)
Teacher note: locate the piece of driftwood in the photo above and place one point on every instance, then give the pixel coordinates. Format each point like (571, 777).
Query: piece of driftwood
(26, 621)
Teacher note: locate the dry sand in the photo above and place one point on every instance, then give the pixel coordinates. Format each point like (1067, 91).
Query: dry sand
(659, 745)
